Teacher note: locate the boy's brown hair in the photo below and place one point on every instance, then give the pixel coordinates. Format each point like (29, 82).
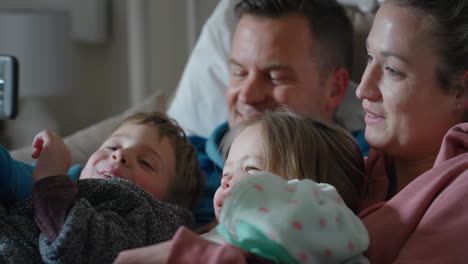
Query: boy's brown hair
(299, 146)
(188, 182)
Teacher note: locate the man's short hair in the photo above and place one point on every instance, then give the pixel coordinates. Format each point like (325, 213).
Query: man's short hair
(328, 24)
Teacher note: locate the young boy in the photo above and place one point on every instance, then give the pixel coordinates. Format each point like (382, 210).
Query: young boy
(104, 213)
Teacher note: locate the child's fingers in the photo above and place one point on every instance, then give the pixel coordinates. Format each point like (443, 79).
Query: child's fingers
(39, 141)
(37, 144)
(35, 153)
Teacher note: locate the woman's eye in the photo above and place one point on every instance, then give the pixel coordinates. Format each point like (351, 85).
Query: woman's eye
(368, 58)
(392, 71)
(112, 148)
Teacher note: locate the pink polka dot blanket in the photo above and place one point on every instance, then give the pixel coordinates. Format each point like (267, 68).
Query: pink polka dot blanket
(299, 221)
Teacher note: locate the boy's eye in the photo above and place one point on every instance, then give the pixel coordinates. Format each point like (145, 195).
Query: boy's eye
(146, 164)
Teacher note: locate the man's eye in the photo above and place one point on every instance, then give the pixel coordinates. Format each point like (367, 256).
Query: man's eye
(237, 72)
(277, 78)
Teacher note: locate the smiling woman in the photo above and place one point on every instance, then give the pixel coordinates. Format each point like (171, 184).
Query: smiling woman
(410, 101)
(414, 92)
(400, 88)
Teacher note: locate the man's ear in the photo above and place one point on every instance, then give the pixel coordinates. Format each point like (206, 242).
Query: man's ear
(337, 91)
(463, 93)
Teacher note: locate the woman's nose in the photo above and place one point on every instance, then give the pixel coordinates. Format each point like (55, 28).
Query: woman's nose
(368, 88)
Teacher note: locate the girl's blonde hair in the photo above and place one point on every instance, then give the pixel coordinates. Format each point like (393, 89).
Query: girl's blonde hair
(299, 146)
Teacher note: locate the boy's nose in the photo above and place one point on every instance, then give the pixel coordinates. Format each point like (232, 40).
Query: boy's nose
(119, 157)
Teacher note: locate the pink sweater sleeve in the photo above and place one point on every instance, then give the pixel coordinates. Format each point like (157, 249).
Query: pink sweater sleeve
(187, 247)
(427, 221)
(52, 198)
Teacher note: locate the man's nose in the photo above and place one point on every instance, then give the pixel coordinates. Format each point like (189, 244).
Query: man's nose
(253, 90)
(369, 86)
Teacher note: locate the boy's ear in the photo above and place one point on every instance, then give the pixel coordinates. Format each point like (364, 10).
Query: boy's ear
(337, 92)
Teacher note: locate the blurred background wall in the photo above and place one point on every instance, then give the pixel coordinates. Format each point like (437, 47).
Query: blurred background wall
(105, 72)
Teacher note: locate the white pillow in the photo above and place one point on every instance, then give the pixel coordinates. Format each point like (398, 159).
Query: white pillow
(199, 104)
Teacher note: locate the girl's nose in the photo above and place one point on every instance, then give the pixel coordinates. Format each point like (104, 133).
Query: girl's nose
(230, 180)
(226, 182)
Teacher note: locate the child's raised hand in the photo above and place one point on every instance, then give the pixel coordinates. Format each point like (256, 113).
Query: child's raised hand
(53, 156)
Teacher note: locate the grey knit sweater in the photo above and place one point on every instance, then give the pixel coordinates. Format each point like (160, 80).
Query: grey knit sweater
(108, 216)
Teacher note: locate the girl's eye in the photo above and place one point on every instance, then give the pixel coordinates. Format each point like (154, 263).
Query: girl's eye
(251, 169)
